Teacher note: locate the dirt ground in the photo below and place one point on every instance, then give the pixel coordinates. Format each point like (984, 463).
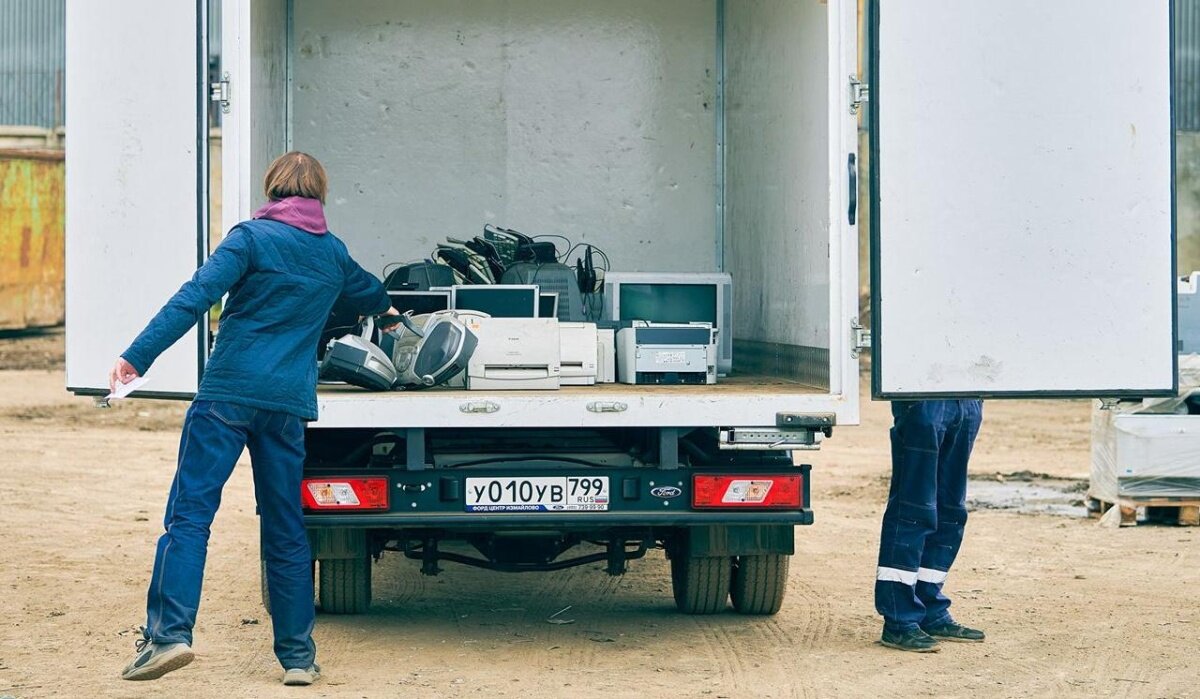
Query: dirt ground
(1071, 609)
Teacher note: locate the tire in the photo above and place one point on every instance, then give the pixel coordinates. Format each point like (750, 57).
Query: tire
(344, 585)
(700, 584)
(759, 583)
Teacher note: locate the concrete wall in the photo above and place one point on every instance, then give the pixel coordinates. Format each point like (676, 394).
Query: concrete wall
(31, 239)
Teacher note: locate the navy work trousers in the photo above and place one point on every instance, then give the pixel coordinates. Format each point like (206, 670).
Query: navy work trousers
(926, 509)
(214, 434)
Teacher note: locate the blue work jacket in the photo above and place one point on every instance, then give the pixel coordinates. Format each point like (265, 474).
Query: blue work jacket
(282, 283)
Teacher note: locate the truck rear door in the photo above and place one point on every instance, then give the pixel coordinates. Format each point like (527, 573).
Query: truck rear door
(1023, 198)
(137, 182)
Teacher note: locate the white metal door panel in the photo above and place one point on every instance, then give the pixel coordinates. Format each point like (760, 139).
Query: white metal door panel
(135, 114)
(1023, 234)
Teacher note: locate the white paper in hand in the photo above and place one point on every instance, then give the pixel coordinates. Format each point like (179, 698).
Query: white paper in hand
(124, 389)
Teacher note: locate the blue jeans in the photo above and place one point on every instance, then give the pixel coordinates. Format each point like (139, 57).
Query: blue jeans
(926, 510)
(214, 434)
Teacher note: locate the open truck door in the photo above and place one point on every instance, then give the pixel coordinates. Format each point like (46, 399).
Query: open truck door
(1023, 198)
(137, 182)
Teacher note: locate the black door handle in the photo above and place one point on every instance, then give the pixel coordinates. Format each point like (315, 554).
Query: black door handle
(852, 168)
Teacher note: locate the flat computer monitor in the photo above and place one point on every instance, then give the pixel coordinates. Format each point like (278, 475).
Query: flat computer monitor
(548, 304)
(675, 297)
(420, 302)
(497, 300)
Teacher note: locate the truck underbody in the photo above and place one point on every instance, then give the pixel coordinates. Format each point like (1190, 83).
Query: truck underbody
(518, 500)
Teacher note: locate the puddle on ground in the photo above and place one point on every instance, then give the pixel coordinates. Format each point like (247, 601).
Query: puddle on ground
(1028, 493)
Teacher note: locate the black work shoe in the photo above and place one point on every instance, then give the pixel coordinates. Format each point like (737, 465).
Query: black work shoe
(951, 631)
(157, 659)
(913, 640)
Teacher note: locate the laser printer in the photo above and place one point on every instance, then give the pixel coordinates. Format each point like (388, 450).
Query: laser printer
(514, 354)
(667, 353)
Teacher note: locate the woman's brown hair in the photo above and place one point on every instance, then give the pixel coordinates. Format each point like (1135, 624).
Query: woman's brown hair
(295, 174)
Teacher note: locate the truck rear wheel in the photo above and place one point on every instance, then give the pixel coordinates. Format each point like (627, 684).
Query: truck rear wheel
(700, 583)
(344, 585)
(759, 583)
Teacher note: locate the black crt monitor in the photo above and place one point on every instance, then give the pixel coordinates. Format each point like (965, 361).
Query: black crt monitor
(669, 303)
(420, 302)
(497, 300)
(548, 304)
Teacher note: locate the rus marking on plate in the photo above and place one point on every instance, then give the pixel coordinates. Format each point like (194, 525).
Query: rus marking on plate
(537, 494)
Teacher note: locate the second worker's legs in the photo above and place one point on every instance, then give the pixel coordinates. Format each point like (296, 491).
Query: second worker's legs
(942, 546)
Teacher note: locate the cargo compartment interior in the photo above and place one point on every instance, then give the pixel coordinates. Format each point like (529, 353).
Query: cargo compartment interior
(675, 135)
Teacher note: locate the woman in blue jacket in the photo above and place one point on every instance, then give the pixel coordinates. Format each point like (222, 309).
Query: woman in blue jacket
(283, 271)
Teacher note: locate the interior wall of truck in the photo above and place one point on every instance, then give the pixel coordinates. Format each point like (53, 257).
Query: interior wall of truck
(675, 136)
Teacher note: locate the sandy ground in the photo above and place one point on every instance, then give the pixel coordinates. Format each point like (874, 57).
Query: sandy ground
(1071, 609)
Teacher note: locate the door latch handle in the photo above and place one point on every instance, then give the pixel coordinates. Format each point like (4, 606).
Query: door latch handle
(607, 407)
(482, 407)
(852, 170)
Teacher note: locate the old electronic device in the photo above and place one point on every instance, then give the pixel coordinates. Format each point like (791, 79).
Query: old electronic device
(514, 354)
(675, 297)
(497, 300)
(606, 355)
(420, 303)
(358, 361)
(428, 350)
(667, 353)
(417, 276)
(578, 353)
(547, 305)
(550, 277)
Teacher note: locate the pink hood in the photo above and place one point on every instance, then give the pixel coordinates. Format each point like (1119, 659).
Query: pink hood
(301, 212)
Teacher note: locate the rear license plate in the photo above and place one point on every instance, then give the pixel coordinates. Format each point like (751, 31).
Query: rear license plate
(538, 494)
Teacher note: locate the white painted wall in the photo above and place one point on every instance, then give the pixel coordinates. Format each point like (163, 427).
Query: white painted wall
(590, 120)
(778, 173)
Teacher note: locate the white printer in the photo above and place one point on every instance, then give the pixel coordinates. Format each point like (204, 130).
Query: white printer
(667, 353)
(579, 351)
(514, 354)
(606, 355)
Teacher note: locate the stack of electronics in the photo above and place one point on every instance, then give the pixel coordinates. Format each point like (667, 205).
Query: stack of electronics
(502, 336)
(544, 325)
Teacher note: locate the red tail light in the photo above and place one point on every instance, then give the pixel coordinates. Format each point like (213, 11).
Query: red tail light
(749, 491)
(344, 493)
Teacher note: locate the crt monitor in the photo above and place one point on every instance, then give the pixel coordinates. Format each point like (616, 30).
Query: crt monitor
(420, 302)
(497, 300)
(675, 297)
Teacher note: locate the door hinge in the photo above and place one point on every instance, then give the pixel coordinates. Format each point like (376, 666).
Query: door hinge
(860, 338)
(860, 92)
(219, 92)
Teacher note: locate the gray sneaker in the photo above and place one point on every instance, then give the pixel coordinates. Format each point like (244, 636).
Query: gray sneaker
(157, 659)
(302, 677)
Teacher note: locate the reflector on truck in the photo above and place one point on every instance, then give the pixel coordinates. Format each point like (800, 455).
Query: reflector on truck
(345, 494)
(747, 491)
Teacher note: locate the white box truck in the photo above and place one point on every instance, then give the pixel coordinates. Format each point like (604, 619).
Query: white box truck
(1022, 218)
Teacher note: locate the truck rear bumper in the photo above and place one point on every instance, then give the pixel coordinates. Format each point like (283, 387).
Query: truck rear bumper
(553, 521)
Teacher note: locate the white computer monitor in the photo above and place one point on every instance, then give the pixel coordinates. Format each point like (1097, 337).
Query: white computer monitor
(420, 302)
(548, 304)
(675, 297)
(497, 300)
